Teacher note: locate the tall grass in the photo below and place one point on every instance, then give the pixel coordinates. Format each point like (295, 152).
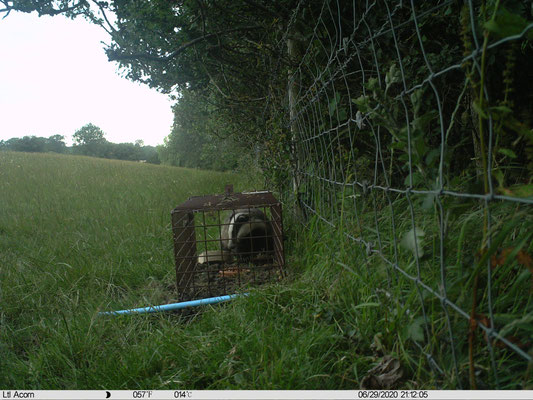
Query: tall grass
(387, 312)
(82, 235)
(79, 235)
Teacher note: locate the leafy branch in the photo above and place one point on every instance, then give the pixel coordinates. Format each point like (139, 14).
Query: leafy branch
(115, 56)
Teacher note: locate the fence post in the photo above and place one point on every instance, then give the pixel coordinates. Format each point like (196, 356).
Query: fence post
(294, 50)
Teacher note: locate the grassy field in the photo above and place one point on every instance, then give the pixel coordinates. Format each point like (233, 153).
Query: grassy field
(81, 235)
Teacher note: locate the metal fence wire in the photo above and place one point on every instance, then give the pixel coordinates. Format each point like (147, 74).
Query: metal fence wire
(411, 136)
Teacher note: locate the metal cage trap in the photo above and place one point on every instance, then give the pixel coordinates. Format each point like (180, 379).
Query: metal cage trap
(224, 243)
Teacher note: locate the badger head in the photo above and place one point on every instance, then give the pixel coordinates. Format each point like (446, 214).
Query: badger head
(247, 232)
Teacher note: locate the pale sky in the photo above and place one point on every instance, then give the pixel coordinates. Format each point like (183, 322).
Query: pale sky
(55, 78)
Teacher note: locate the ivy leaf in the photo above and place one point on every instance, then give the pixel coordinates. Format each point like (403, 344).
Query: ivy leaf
(413, 241)
(362, 103)
(422, 122)
(333, 103)
(507, 24)
(415, 331)
(359, 119)
(393, 76)
(342, 114)
(416, 100)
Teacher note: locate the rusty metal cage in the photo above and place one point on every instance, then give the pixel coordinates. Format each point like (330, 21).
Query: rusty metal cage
(205, 267)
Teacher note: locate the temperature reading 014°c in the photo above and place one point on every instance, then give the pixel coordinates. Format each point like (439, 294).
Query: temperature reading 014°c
(142, 394)
(182, 394)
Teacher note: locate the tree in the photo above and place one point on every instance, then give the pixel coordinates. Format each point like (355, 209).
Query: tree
(46, 7)
(31, 144)
(35, 144)
(88, 134)
(226, 49)
(56, 144)
(89, 140)
(150, 154)
(196, 141)
(226, 52)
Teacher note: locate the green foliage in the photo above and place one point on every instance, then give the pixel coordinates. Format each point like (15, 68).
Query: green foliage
(34, 144)
(88, 140)
(408, 314)
(112, 248)
(512, 155)
(88, 134)
(386, 107)
(70, 8)
(507, 24)
(56, 144)
(222, 53)
(96, 148)
(196, 140)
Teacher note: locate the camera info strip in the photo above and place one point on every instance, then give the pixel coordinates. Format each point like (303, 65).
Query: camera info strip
(266, 394)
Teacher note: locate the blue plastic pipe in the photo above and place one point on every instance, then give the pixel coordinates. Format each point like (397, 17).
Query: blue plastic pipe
(174, 306)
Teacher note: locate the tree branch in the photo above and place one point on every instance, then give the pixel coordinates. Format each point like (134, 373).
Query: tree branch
(64, 10)
(40, 9)
(201, 7)
(111, 27)
(121, 57)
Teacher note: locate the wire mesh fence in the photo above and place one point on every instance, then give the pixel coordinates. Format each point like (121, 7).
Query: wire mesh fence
(409, 136)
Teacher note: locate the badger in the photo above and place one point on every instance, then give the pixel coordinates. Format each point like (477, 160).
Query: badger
(245, 233)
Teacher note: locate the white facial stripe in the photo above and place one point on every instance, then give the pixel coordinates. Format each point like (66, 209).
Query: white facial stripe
(230, 228)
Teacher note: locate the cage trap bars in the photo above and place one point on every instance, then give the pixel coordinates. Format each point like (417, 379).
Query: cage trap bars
(224, 243)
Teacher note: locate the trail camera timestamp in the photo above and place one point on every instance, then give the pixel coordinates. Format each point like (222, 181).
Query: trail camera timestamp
(392, 394)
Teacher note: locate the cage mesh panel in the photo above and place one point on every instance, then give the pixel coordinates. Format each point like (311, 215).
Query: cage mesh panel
(198, 227)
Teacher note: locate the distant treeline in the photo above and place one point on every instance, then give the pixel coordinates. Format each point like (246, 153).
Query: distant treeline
(96, 148)
(197, 140)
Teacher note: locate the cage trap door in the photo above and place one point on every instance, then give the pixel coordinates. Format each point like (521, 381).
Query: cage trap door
(183, 229)
(277, 229)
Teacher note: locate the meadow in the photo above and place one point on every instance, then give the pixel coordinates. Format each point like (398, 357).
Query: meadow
(81, 235)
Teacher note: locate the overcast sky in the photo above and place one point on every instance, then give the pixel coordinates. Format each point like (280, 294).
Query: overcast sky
(55, 78)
